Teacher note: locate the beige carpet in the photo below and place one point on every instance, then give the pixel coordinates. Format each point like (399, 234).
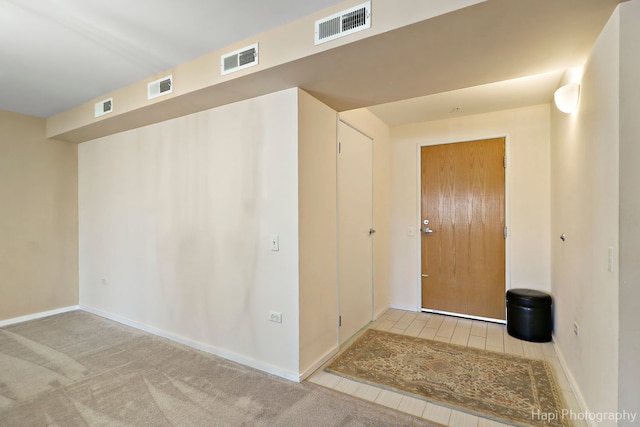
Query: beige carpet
(507, 388)
(77, 369)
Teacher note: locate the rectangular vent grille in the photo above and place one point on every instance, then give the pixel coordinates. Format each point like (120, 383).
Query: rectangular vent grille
(329, 28)
(239, 59)
(160, 87)
(348, 21)
(104, 107)
(355, 19)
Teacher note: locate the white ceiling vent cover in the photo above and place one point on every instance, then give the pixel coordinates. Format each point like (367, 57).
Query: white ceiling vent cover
(160, 87)
(104, 107)
(239, 59)
(348, 21)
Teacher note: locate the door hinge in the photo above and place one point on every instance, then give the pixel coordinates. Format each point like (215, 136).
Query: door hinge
(504, 162)
(339, 320)
(505, 231)
(339, 147)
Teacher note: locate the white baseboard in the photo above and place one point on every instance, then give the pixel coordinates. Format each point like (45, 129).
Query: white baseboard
(207, 348)
(321, 361)
(572, 382)
(405, 308)
(38, 315)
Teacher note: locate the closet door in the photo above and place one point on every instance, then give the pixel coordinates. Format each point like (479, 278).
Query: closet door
(355, 230)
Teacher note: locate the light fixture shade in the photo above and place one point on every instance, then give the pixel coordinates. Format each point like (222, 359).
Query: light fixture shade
(566, 97)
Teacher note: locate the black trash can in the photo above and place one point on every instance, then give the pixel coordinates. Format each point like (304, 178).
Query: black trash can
(529, 315)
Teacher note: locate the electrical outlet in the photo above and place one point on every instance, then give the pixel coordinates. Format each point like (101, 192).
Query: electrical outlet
(275, 316)
(576, 328)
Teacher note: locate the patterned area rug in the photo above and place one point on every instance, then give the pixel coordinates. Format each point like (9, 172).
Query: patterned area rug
(503, 387)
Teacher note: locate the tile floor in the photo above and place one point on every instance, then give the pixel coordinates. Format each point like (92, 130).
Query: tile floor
(472, 333)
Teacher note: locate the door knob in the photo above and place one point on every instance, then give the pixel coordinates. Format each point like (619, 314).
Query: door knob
(426, 229)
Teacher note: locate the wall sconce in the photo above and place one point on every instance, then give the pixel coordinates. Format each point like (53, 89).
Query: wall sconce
(566, 97)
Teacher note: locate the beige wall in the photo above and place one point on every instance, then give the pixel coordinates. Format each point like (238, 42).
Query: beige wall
(175, 225)
(629, 294)
(317, 219)
(585, 206)
(372, 126)
(527, 138)
(38, 219)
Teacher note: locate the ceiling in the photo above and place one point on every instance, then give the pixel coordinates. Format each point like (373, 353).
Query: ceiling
(503, 95)
(495, 55)
(57, 54)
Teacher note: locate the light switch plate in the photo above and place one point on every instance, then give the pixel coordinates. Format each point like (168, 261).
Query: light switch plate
(275, 242)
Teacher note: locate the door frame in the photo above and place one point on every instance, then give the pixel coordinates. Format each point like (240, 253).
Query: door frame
(373, 225)
(507, 243)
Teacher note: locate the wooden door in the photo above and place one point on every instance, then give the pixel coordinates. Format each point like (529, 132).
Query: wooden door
(355, 220)
(463, 199)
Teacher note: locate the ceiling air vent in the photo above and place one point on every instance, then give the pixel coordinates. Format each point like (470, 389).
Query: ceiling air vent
(241, 58)
(348, 21)
(104, 107)
(160, 87)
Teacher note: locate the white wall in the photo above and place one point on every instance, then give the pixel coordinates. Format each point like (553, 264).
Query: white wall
(585, 206)
(629, 295)
(527, 138)
(177, 218)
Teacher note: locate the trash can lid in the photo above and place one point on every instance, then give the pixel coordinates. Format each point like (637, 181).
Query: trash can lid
(528, 298)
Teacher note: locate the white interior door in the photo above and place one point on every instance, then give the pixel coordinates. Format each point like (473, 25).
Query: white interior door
(355, 230)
